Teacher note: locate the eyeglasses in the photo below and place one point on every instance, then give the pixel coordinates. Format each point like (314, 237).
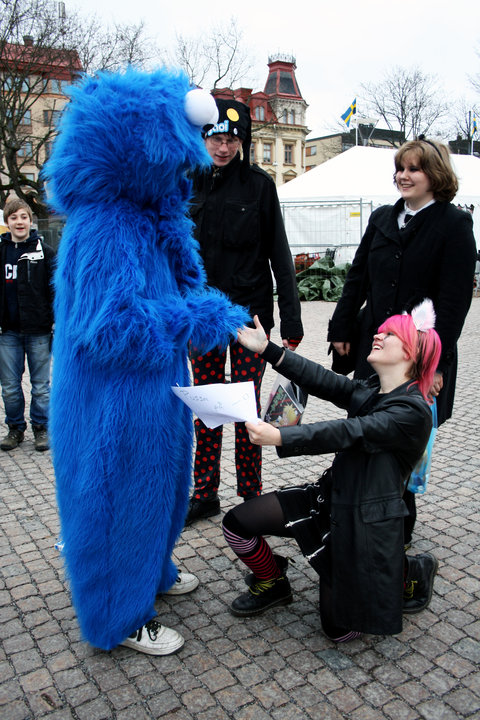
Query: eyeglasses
(217, 140)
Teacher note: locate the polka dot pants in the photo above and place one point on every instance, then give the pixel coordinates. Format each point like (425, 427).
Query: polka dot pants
(210, 368)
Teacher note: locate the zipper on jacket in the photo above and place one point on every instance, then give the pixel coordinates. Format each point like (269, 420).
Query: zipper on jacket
(320, 549)
(294, 522)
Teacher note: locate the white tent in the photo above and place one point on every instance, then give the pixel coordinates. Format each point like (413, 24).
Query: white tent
(329, 206)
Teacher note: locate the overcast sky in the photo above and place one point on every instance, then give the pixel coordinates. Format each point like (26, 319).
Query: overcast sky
(337, 44)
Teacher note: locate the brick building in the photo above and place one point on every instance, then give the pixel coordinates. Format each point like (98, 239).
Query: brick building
(278, 120)
(32, 94)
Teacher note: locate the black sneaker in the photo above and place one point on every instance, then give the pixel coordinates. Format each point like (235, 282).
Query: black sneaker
(262, 595)
(419, 583)
(200, 509)
(41, 438)
(13, 439)
(282, 563)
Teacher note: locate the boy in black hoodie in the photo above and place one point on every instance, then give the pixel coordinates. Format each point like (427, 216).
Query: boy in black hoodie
(26, 322)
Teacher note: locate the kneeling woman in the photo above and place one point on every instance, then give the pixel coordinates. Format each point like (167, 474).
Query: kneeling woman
(349, 525)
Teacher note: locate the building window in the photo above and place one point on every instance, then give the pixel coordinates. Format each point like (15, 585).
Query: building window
(9, 84)
(252, 153)
(260, 113)
(27, 118)
(288, 117)
(51, 117)
(26, 150)
(41, 85)
(55, 86)
(288, 154)
(267, 152)
(48, 149)
(311, 150)
(29, 176)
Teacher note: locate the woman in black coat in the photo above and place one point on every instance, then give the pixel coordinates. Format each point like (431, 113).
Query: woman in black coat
(420, 247)
(349, 525)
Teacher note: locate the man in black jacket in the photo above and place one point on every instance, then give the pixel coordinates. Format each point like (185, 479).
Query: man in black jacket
(26, 320)
(239, 226)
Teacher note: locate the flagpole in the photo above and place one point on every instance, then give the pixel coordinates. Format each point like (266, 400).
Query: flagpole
(470, 134)
(356, 125)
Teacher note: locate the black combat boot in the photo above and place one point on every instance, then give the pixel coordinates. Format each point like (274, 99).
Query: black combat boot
(41, 438)
(418, 588)
(263, 594)
(13, 439)
(201, 509)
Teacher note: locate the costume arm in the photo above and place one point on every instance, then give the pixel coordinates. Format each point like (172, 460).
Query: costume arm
(340, 328)
(206, 315)
(395, 427)
(127, 330)
(214, 318)
(148, 333)
(124, 306)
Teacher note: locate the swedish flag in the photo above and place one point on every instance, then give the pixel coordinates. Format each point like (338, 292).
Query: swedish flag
(348, 114)
(474, 125)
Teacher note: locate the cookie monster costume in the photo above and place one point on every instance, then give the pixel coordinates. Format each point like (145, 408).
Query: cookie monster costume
(129, 294)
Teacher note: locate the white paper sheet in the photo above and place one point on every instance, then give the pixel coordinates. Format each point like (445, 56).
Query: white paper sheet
(220, 403)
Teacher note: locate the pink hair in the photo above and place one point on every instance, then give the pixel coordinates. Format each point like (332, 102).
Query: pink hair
(424, 348)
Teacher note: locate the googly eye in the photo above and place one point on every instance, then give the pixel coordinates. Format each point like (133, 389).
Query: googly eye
(200, 108)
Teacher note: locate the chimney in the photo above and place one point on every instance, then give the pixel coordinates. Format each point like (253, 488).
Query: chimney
(28, 40)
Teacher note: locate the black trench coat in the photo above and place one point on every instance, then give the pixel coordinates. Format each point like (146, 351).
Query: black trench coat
(434, 256)
(376, 447)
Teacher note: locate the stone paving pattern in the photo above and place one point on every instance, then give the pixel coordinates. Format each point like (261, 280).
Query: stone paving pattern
(278, 665)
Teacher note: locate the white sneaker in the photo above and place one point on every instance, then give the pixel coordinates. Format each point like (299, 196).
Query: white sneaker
(154, 639)
(185, 583)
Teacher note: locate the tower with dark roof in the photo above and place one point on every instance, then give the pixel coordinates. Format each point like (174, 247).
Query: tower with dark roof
(282, 86)
(278, 120)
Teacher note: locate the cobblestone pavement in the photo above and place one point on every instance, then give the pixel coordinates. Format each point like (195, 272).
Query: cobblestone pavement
(278, 665)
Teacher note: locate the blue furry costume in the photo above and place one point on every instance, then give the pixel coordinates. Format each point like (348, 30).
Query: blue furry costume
(130, 294)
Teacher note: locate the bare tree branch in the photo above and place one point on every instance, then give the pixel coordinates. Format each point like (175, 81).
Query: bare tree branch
(190, 56)
(110, 49)
(475, 79)
(406, 100)
(38, 47)
(214, 60)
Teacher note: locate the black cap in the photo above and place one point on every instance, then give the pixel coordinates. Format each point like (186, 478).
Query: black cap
(234, 119)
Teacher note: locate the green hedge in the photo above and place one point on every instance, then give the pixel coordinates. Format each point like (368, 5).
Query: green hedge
(323, 280)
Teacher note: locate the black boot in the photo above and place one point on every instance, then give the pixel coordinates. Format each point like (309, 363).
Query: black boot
(282, 563)
(13, 439)
(41, 438)
(419, 582)
(262, 595)
(200, 509)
